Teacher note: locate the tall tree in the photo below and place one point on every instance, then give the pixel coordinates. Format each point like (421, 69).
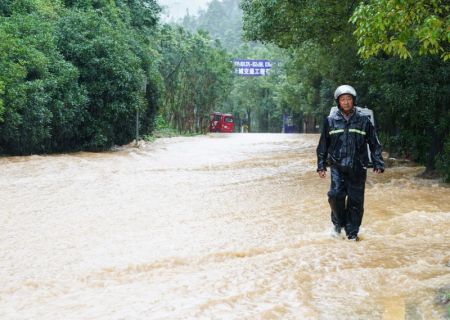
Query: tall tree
(325, 37)
(197, 77)
(321, 45)
(73, 73)
(418, 30)
(43, 103)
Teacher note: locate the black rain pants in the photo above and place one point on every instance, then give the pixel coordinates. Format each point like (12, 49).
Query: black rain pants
(346, 198)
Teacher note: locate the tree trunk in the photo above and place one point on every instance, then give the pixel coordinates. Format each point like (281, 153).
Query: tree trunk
(249, 121)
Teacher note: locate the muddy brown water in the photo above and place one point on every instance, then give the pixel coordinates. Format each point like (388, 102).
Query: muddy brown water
(214, 227)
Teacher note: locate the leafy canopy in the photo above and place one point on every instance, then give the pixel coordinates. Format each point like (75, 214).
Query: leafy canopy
(400, 27)
(288, 23)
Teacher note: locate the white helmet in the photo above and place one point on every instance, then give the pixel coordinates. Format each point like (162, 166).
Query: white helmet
(345, 89)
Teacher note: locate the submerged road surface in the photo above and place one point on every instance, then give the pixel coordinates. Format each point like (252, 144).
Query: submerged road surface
(214, 227)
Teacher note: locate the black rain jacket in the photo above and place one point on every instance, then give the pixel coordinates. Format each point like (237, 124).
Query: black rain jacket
(344, 143)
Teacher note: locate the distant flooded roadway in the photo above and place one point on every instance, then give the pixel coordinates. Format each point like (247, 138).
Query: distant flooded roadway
(214, 227)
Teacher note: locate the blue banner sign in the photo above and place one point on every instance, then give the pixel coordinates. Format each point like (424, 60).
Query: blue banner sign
(247, 67)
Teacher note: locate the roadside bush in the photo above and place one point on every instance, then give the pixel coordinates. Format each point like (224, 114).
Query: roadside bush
(43, 104)
(110, 72)
(74, 74)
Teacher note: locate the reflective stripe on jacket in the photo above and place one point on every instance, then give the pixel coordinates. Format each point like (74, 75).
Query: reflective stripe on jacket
(344, 142)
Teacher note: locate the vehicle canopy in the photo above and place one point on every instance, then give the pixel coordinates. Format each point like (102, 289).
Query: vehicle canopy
(221, 122)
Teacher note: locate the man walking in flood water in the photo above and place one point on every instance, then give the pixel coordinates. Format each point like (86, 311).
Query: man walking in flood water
(343, 144)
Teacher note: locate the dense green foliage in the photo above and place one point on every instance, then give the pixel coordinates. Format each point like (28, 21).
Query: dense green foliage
(252, 99)
(401, 27)
(197, 76)
(410, 97)
(80, 74)
(41, 96)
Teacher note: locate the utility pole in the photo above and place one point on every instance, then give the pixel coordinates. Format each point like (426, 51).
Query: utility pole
(137, 126)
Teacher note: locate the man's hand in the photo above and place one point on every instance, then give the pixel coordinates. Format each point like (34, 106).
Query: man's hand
(322, 173)
(377, 171)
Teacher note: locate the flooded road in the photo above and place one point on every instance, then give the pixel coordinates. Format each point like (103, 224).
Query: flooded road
(214, 227)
